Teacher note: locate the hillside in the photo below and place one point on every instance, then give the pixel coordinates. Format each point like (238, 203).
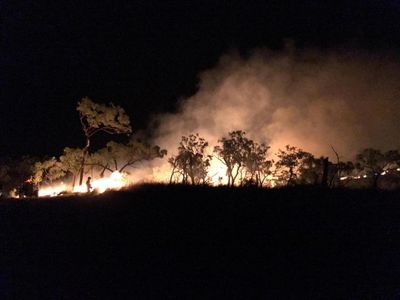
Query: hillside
(182, 242)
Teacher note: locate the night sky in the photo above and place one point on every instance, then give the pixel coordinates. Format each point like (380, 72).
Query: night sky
(146, 55)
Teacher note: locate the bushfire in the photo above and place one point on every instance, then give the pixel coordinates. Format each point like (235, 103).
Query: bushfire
(217, 175)
(117, 180)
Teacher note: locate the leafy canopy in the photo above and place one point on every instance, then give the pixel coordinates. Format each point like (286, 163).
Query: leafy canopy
(97, 117)
(191, 163)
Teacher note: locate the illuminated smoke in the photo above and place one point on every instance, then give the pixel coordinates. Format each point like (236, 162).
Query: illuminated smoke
(309, 99)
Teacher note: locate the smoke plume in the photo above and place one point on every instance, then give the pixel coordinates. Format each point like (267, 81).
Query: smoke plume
(308, 99)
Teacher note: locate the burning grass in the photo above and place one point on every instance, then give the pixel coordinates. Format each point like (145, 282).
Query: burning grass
(115, 181)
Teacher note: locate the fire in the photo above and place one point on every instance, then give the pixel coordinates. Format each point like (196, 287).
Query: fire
(217, 173)
(116, 181)
(54, 190)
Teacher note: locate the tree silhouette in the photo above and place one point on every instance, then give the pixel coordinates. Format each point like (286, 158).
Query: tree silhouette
(14, 172)
(71, 160)
(257, 166)
(339, 171)
(96, 118)
(118, 157)
(375, 163)
(290, 162)
(311, 170)
(48, 170)
(191, 163)
(233, 153)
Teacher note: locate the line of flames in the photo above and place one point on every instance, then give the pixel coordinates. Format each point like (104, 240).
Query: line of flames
(119, 180)
(115, 181)
(364, 176)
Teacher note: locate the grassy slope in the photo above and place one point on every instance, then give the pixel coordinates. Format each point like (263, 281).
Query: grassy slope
(175, 242)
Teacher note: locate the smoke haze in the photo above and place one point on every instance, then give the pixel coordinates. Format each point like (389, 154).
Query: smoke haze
(308, 99)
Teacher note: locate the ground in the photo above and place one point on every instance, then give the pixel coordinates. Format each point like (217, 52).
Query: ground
(181, 242)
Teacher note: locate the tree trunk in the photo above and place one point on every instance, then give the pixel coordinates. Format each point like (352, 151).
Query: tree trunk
(289, 182)
(103, 171)
(375, 180)
(73, 180)
(235, 176)
(85, 152)
(192, 179)
(229, 175)
(325, 163)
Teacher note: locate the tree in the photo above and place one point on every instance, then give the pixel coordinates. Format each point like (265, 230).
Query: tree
(311, 170)
(233, 153)
(68, 164)
(96, 118)
(339, 171)
(71, 160)
(15, 172)
(290, 163)
(48, 170)
(316, 171)
(191, 163)
(118, 157)
(256, 164)
(375, 163)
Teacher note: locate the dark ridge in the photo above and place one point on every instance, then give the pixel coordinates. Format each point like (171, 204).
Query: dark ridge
(185, 242)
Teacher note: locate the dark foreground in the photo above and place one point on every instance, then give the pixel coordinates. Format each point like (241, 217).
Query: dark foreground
(171, 242)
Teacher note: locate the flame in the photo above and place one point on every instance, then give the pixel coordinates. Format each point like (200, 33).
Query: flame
(116, 181)
(217, 171)
(54, 190)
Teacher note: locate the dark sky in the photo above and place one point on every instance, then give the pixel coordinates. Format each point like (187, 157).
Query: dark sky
(145, 55)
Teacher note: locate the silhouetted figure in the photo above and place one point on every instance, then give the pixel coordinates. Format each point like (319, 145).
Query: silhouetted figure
(89, 184)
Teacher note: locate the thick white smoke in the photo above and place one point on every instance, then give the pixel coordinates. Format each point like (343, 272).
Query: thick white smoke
(309, 99)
